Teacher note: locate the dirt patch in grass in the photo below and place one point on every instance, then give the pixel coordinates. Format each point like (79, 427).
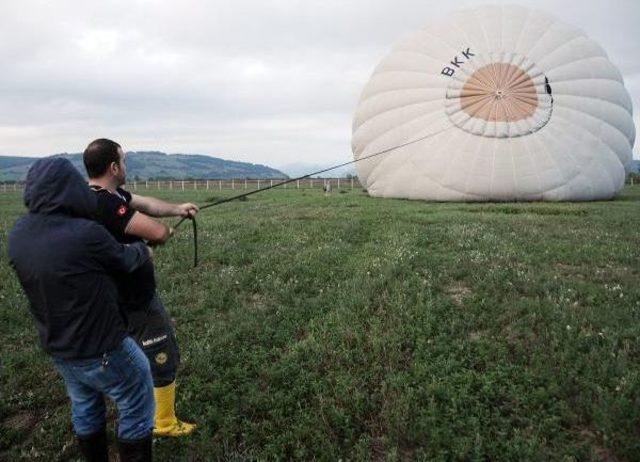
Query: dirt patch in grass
(259, 302)
(23, 421)
(590, 437)
(475, 336)
(458, 291)
(597, 274)
(567, 268)
(18, 427)
(605, 455)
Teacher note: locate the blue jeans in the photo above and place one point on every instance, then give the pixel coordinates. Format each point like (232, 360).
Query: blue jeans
(124, 376)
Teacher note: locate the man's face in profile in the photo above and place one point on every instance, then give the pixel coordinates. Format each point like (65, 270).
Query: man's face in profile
(121, 173)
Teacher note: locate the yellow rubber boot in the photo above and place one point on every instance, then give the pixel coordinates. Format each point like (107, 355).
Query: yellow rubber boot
(165, 422)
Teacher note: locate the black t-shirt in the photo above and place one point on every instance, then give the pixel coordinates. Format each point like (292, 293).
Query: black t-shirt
(135, 289)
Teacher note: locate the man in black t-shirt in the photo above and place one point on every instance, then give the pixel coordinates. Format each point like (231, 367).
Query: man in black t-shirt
(128, 218)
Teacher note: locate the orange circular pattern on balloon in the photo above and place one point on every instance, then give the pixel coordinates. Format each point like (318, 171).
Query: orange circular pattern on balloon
(499, 92)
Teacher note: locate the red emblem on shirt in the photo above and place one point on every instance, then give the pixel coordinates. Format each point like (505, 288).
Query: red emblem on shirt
(122, 210)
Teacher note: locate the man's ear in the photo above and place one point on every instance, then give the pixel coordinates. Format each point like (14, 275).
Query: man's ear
(113, 168)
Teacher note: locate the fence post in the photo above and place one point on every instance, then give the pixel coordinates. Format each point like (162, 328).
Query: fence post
(258, 184)
(220, 185)
(233, 184)
(207, 185)
(245, 183)
(183, 185)
(298, 184)
(351, 183)
(271, 181)
(135, 185)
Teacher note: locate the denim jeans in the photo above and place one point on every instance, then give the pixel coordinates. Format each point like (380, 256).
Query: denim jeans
(124, 376)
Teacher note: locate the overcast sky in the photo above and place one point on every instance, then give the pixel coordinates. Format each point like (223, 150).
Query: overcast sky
(266, 81)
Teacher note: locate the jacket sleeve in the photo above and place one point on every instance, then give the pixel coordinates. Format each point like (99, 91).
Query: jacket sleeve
(116, 257)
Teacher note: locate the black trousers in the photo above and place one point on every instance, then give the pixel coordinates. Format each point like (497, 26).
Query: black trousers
(152, 329)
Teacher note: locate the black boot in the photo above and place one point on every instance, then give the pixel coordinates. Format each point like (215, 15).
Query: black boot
(135, 450)
(94, 446)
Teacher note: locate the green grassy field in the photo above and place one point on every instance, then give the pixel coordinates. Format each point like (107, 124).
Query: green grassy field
(346, 327)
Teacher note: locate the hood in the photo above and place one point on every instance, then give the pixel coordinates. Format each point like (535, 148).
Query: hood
(54, 185)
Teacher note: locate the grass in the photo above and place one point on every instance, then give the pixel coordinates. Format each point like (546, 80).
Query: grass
(346, 327)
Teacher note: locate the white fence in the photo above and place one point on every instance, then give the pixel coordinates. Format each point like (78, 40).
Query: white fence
(221, 184)
(235, 184)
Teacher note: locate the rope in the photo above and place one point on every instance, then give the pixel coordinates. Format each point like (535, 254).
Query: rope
(256, 191)
(195, 240)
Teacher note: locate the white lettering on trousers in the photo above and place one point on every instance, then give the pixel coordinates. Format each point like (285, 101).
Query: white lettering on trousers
(154, 340)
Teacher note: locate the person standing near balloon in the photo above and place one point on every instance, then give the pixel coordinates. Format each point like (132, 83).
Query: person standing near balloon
(128, 217)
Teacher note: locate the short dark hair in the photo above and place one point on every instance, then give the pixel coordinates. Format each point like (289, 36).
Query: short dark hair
(99, 155)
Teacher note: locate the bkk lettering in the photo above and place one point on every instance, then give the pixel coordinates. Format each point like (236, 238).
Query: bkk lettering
(449, 71)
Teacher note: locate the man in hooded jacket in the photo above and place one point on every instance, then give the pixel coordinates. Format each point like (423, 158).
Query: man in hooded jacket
(64, 260)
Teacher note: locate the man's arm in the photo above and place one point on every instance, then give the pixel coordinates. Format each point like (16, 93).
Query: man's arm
(145, 227)
(159, 208)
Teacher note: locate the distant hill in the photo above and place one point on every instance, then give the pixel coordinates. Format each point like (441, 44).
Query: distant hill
(147, 165)
(300, 169)
(635, 166)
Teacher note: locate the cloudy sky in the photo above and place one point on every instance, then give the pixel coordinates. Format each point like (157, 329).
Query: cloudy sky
(268, 81)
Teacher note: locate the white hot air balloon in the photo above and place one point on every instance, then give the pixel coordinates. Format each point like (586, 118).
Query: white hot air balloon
(495, 103)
